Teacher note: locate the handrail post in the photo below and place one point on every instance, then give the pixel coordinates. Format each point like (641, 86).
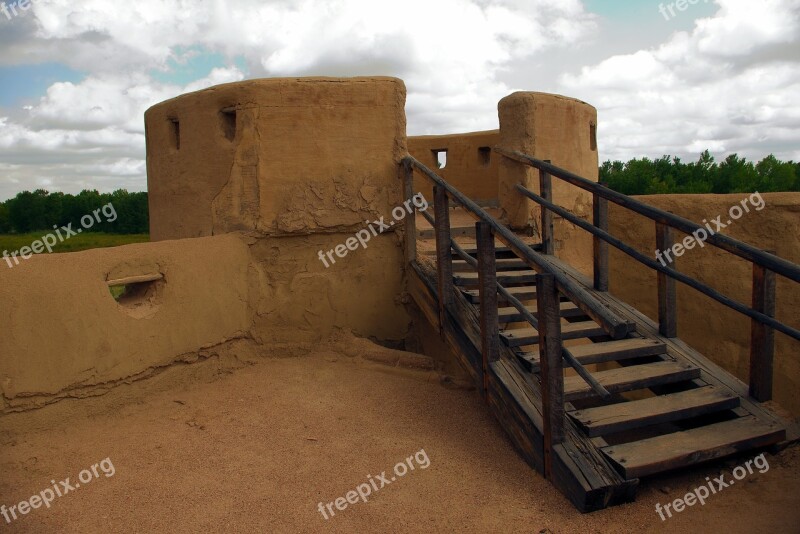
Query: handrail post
(600, 215)
(551, 366)
(407, 175)
(762, 337)
(487, 286)
(546, 189)
(444, 258)
(667, 295)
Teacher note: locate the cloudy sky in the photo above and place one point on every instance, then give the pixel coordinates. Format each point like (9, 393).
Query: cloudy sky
(76, 77)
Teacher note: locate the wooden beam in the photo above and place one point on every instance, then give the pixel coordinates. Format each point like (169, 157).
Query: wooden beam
(444, 258)
(135, 279)
(490, 329)
(762, 337)
(600, 256)
(546, 189)
(667, 295)
(407, 175)
(552, 372)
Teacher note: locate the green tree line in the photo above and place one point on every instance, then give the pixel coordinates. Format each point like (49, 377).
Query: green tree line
(671, 175)
(41, 210)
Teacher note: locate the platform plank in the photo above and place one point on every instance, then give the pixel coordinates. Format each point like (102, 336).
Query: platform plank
(631, 378)
(682, 449)
(622, 349)
(664, 409)
(530, 336)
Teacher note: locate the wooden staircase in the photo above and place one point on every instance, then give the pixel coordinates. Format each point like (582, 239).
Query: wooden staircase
(637, 400)
(677, 420)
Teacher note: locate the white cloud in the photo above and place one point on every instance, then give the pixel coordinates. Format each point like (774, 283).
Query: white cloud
(449, 53)
(703, 89)
(730, 84)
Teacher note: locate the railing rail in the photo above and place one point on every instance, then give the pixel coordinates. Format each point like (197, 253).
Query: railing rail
(748, 252)
(765, 264)
(487, 228)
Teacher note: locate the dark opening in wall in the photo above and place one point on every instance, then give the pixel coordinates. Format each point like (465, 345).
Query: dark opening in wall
(138, 296)
(593, 136)
(176, 133)
(485, 155)
(228, 123)
(440, 157)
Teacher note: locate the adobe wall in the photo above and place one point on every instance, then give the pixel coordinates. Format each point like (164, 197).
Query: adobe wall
(247, 183)
(716, 331)
(66, 336)
(471, 167)
(299, 166)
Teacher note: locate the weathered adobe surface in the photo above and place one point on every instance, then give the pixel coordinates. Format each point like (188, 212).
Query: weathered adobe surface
(308, 162)
(305, 155)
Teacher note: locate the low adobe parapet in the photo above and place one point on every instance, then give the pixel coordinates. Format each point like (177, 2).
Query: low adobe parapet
(470, 166)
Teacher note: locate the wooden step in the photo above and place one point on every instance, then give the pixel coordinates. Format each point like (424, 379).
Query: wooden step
(461, 266)
(664, 409)
(513, 277)
(631, 378)
(623, 349)
(501, 250)
(522, 293)
(519, 337)
(682, 449)
(513, 315)
(455, 231)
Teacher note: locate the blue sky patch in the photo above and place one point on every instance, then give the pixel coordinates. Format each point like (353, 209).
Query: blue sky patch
(23, 84)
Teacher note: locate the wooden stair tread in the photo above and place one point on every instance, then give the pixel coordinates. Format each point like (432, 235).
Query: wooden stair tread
(511, 277)
(622, 349)
(473, 251)
(681, 449)
(519, 337)
(456, 230)
(666, 408)
(631, 378)
(520, 292)
(461, 266)
(511, 314)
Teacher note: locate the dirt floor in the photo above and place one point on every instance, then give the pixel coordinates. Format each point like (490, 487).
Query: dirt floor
(253, 444)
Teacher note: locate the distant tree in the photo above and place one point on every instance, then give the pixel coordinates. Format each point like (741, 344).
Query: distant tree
(671, 175)
(40, 210)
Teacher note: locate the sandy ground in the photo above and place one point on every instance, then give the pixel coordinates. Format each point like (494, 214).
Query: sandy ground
(255, 447)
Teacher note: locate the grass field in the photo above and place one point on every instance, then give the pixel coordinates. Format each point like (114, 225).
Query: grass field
(84, 241)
